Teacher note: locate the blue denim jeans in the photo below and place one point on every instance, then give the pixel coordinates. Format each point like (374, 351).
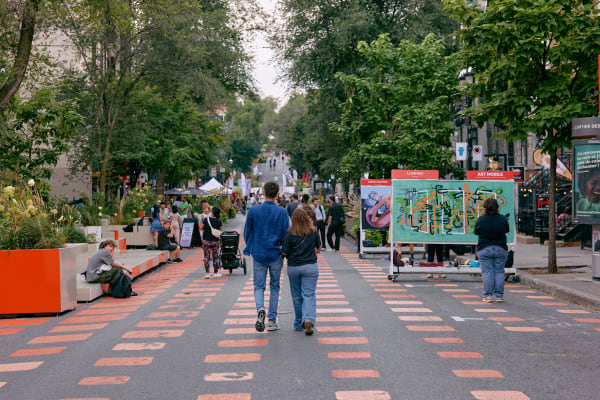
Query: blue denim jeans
(303, 285)
(260, 282)
(492, 260)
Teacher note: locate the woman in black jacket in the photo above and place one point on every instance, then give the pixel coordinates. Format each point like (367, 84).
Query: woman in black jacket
(300, 246)
(492, 250)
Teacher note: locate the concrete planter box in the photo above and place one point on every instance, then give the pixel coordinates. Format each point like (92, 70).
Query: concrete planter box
(40, 281)
(351, 219)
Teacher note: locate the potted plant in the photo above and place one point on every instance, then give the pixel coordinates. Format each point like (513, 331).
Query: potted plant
(33, 256)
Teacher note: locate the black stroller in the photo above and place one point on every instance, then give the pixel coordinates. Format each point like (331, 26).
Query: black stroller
(230, 254)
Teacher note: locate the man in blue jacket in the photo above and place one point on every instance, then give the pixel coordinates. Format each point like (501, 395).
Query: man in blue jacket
(265, 226)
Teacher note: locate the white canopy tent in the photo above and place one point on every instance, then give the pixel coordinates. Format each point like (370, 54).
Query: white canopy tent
(213, 188)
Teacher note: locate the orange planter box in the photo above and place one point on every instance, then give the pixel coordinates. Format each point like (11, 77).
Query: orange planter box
(39, 281)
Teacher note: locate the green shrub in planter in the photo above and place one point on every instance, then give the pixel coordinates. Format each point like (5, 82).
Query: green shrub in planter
(74, 235)
(374, 236)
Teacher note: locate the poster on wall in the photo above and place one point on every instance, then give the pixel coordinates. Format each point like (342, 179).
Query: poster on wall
(440, 211)
(586, 186)
(375, 196)
(187, 230)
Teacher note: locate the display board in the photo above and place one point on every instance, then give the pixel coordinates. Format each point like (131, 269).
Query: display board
(375, 202)
(439, 211)
(586, 185)
(187, 230)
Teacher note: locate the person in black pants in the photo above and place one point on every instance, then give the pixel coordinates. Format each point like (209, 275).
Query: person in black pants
(437, 251)
(321, 219)
(336, 223)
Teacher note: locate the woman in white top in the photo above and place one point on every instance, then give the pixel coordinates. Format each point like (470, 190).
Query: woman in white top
(165, 212)
(176, 222)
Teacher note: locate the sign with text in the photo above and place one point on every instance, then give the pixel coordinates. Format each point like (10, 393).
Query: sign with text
(375, 203)
(415, 174)
(519, 173)
(585, 127)
(586, 185)
(187, 230)
(446, 211)
(490, 175)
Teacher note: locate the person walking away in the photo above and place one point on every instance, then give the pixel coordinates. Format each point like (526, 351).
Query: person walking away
(336, 223)
(270, 163)
(293, 205)
(166, 241)
(321, 220)
(210, 243)
(492, 250)
(176, 222)
(156, 225)
(265, 227)
(102, 267)
(301, 244)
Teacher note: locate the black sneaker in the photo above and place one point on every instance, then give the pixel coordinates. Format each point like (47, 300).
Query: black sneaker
(260, 322)
(133, 294)
(178, 259)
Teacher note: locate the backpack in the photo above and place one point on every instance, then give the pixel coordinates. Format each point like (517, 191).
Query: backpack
(510, 259)
(122, 287)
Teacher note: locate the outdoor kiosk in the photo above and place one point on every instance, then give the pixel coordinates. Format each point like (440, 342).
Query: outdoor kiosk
(426, 209)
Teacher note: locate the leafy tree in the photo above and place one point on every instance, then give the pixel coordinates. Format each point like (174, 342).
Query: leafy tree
(319, 39)
(34, 133)
(398, 109)
(15, 46)
(535, 70)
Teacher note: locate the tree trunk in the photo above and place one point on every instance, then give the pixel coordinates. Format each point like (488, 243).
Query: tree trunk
(552, 216)
(104, 165)
(160, 182)
(10, 88)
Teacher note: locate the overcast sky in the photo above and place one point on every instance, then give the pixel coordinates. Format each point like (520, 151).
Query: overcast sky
(265, 68)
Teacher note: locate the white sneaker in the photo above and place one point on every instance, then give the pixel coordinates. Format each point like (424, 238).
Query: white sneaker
(207, 276)
(217, 275)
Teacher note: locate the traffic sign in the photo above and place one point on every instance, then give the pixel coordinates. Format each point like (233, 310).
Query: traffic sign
(477, 153)
(461, 151)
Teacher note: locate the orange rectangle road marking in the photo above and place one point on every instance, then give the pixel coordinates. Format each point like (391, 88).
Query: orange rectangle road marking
(241, 331)
(123, 361)
(411, 310)
(333, 303)
(341, 328)
(243, 343)
(349, 354)
(239, 321)
(95, 318)
(138, 346)
(552, 303)
(75, 328)
(540, 297)
(466, 296)
(22, 322)
(355, 373)
(523, 329)
(170, 333)
(344, 340)
(174, 314)
(443, 340)
(334, 310)
(337, 319)
(573, 311)
(507, 319)
(430, 328)
(104, 380)
(242, 312)
(588, 320)
(329, 290)
(87, 398)
(25, 366)
(490, 310)
(362, 395)
(459, 354)
(521, 291)
(416, 318)
(404, 302)
(477, 373)
(225, 396)
(455, 290)
(499, 395)
(390, 290)
(60, 338)
(166, 323)
(232, 358)
(10, 331)
(43, 351)
(103, 311)
(331, 296)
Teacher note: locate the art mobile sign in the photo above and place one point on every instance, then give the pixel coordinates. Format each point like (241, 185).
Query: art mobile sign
(375, 203)
(439, 211)
(586, 186)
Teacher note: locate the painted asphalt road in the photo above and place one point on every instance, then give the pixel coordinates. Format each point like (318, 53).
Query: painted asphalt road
(185, 337)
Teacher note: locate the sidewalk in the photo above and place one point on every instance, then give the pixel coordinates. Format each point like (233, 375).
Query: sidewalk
(576, 286)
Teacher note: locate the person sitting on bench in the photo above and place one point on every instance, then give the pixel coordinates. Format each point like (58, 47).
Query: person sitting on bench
(167, 241)
(102, 268)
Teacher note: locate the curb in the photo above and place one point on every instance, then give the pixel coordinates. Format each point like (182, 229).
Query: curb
(572, 295)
